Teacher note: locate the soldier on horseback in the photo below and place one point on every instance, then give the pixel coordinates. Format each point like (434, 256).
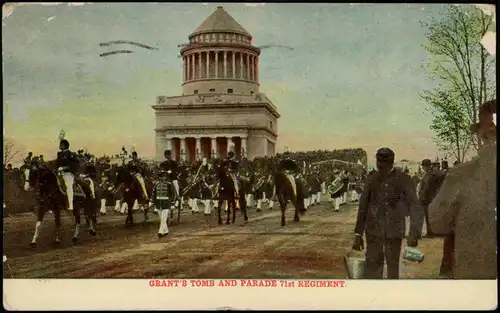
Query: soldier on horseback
(136, 169)
(232, 166)
(290, 168)
(66, 161)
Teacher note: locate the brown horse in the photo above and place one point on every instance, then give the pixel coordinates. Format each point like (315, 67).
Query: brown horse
(284, 192)
(132, 191)
(42, 178)
(227, 192)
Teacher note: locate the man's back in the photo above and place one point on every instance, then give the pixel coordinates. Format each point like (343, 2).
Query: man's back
(466, 204)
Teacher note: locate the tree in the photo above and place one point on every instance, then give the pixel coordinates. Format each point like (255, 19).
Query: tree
(450, 122)
(465, 74)
(10, 151)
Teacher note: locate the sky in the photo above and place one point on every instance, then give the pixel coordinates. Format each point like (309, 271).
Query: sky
(352, 79)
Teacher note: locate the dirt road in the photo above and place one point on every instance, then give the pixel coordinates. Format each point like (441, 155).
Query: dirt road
(197, 248)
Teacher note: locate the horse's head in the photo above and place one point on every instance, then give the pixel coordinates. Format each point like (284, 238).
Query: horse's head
(35, 174)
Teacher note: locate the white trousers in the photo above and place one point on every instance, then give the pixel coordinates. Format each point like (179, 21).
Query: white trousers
(163, 221)
(337, 202)
(117, 205)
(208, 206)
(193, 203)
(323, 187)
(103, 206)
(249, 199)
(69, 181)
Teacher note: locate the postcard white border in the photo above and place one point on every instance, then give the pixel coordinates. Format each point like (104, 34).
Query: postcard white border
(85, 294)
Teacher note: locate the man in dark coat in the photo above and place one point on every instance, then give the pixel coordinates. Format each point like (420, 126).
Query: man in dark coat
(170, 168)
(429, 187)
(385, 201)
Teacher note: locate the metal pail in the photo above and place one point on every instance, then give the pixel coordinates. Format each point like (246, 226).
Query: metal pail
(354, 262)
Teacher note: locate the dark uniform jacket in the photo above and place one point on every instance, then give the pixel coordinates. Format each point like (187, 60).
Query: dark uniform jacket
(288, 165)
(384, 204)
(135, 166)
(429, 186)
(67, 160)
(170, 165)
(231, 165)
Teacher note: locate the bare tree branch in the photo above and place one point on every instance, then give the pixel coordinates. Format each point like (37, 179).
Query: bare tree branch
(10, 151)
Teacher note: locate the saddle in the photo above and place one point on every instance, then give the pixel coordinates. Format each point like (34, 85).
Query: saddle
(77, 188)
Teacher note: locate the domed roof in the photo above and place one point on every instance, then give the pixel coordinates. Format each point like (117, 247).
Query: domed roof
(220, 21)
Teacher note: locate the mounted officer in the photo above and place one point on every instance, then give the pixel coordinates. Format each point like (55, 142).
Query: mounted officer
(66, 166)
(232, 167)
(136, 168)
(290, 168)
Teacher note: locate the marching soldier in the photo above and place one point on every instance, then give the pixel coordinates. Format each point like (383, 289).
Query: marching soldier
(27, 160)
(67, 163)
(171, 165)
(165, 197)
(135, 167)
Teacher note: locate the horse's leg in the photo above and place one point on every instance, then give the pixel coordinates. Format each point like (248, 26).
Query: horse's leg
(146, 209)
(38, 225)
(296, 204)
(91, 215)
(76, 214)
(179, 209)
(57, 226)
(283, 204)
(130, 212)
(219, 208)
(229, 208)
(234, 208)
(244, 211)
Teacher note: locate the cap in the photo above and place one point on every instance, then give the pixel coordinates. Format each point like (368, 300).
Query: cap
(385, 154)
(426, 162)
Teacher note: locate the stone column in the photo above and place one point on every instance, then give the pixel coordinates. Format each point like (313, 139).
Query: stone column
(168, 145)
(199, 65)
(234, 64)
(229, 143)
(183, 69)
(241, 65)
(213, 147)
(216, 64)
(225, 64)
(193, 66)
(198, 148)
(188, 68)
(183, 152)
(244, 149)
(248, 67)
(207, 74)
(256, 69)
(251, 68)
